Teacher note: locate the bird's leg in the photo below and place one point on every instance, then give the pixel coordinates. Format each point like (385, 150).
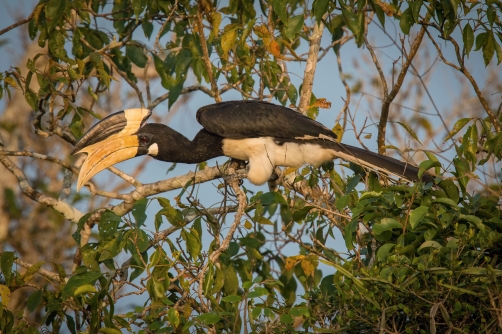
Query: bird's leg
(274, 179)
(234, 170)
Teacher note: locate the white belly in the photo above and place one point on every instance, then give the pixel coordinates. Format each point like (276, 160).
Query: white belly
(264, 154)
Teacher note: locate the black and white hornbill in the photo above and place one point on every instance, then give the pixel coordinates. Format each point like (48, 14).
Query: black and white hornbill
(264, 134)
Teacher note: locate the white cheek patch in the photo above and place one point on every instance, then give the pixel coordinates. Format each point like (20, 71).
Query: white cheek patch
(153, 149)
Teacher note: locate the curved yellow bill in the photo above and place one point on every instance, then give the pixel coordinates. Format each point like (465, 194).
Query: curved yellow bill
(105, 154)
(110, 141)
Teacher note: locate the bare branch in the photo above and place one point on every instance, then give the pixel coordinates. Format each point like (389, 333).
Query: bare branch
(157, 39)
(18, 23)
(205, 54)
(310, 67)
(382, 125)
(68, 211)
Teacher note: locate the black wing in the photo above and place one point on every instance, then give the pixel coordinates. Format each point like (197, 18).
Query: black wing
(251, 119)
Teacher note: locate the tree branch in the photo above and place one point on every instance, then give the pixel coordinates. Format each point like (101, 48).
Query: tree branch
(17, 24)
(310, 67)
(205, 54)
(382, 125)
(68, 211)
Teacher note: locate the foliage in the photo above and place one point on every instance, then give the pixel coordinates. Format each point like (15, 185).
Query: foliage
(421, 258)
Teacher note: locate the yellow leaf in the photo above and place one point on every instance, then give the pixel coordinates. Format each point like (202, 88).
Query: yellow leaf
(368, 136)
(261, 31)
(228, 41)
(309, 264)
(86, 288)
(10, 81)
(290, 170)
(215, 22)
(338, 130)
(248, 225)
(4, 294)
(187, 310)
(292, 261)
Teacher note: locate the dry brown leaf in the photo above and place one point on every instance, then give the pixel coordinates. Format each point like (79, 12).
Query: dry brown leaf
(387, 8)
(322, 103)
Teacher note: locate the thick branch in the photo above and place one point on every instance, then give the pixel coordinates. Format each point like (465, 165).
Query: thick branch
(310, 67)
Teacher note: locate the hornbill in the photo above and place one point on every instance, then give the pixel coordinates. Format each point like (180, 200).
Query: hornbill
(264, 134)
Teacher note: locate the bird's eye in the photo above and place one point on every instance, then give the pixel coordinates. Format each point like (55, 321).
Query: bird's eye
(143, 140)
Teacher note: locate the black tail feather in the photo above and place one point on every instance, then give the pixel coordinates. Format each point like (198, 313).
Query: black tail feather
(379, 162)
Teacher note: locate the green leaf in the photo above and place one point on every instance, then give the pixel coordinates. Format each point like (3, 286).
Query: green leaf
(287, 319)
(54, 10)
(174, 216)
(489, 48)
(415, 9)
(410, 131)
(355, 22)
(174, 317)
(139, 211)
(293, 26)
(208, 280)
(232, 299)
(219, 281)
(426, 165)
(457, 127)
(446, 201)
(461, 290)
(147, 28)
(416, 215)
(6, 261)
(279, 7)
(108, 224)
(107, 330)
(430, 244)
(56, 45)
(137, 55)
(384, 251)
(468, 39)
(89, 277)
(231, 281)
(491, 15)
(386, 224)
(257, 292)
(320, 7)
(498, 50)
(209, 318)
(481, 40)
(33, 300)
(406, 21)
(470, 144)
(478, 222)
(271, 198)
(70, 323)
(194, 246)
